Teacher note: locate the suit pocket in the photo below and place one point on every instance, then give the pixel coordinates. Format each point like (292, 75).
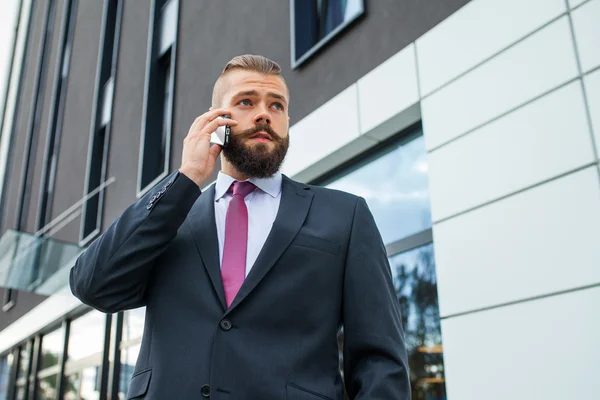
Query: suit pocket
(294, 392)
(316, 243)
(139, 384)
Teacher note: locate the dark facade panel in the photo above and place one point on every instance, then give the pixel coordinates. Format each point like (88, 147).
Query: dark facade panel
(127, 110)
(23, 111)
(74, 140)
(25, 301)
(41, 136)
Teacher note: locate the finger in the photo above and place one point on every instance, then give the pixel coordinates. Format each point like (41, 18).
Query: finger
(215, 123)
(201, 121)
(211, 115)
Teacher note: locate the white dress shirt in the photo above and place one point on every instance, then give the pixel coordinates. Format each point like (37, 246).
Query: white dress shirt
(262, 204)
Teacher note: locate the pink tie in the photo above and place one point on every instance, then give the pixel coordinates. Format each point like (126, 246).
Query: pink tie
(233, 270)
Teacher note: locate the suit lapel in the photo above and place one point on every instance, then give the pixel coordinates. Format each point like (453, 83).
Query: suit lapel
(201, 219)
(293, 209)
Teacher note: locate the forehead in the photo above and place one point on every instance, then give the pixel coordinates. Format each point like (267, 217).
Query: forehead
(240, 80)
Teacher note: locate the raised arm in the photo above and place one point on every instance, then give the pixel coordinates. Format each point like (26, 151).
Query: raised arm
(111, 275)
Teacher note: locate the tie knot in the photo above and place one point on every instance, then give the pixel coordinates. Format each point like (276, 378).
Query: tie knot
(242, 188)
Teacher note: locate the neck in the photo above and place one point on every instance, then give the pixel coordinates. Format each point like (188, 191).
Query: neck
(230, 170)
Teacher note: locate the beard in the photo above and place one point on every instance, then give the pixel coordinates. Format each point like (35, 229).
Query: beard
(256, 161)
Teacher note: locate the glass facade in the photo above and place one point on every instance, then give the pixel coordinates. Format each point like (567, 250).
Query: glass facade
(5, 367)
(394, 184)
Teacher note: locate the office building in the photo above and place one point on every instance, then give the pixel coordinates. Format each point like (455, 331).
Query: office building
(471, 128)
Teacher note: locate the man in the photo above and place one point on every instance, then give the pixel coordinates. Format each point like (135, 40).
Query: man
(247, 284)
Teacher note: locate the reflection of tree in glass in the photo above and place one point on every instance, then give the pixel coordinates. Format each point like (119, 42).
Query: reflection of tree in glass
(49, 385)
(416, 287)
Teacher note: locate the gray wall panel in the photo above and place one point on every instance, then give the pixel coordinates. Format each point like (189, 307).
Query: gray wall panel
(127, 110)
(23, 105)
(25, 301)
(73, 151)
(46, 103)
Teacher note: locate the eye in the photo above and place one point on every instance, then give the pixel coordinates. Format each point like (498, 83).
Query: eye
(278, 106)
(245, 102)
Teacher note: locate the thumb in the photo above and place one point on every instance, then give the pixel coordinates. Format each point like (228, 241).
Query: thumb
(213, 153)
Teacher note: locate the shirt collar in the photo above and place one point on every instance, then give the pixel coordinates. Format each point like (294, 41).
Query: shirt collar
(271, 186)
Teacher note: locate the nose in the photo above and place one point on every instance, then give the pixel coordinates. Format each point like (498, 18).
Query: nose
(262, 118)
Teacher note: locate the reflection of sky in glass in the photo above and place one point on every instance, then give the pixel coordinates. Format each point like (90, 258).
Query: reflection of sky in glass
(133, 323)
(396, 189)
(353, 7)
(86, 336)
(52, 347)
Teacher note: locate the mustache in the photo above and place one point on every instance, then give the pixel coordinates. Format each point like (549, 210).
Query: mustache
(248, 133)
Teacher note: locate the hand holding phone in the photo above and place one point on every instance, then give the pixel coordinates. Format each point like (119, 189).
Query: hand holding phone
(199, 157)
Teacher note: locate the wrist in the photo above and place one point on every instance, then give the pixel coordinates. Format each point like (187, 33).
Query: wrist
(193, 175)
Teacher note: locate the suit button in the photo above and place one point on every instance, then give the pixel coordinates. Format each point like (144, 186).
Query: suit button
(225, 324)
(205, 390)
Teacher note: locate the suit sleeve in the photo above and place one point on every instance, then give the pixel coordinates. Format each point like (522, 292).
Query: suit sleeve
(111, 275)
(375, 357)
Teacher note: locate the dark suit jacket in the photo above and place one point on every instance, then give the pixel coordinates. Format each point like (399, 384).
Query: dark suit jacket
(323, 266)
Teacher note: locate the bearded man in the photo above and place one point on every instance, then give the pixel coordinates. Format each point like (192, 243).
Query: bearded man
(248, 284)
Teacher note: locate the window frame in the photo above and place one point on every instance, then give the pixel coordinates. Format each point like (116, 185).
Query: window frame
(297, 62)
(106, 72)
(154, 95)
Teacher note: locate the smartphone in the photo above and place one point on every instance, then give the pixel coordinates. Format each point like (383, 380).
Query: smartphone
(221, 135)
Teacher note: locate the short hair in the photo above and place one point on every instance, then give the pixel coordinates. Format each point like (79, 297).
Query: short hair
(248, 62)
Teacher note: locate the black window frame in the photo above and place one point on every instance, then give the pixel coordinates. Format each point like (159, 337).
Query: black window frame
(33, 345)
(155, 94)
(298, 61)
(100, 130)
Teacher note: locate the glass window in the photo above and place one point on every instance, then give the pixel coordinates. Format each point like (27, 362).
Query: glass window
(156, 130)
(129, 357)
(416, 286)
(52, 348)
(24, 353)
(133, 324)
(5, 367)
(84, 384)
(316, 21)
(47, 388)
(86, 336)
(396, 189)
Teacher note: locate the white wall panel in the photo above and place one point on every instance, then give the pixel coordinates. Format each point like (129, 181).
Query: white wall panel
(539, 63)
(388, 89)
(586, 23)
(322, 132)
(537, 242)
(546, 138)
(592, 88)
(477, 31)
(575, 3)
(544, 349)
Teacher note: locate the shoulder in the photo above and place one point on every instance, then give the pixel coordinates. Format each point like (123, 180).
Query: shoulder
(326, 194)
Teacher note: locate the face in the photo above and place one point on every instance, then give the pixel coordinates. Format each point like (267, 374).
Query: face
(260, 141)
